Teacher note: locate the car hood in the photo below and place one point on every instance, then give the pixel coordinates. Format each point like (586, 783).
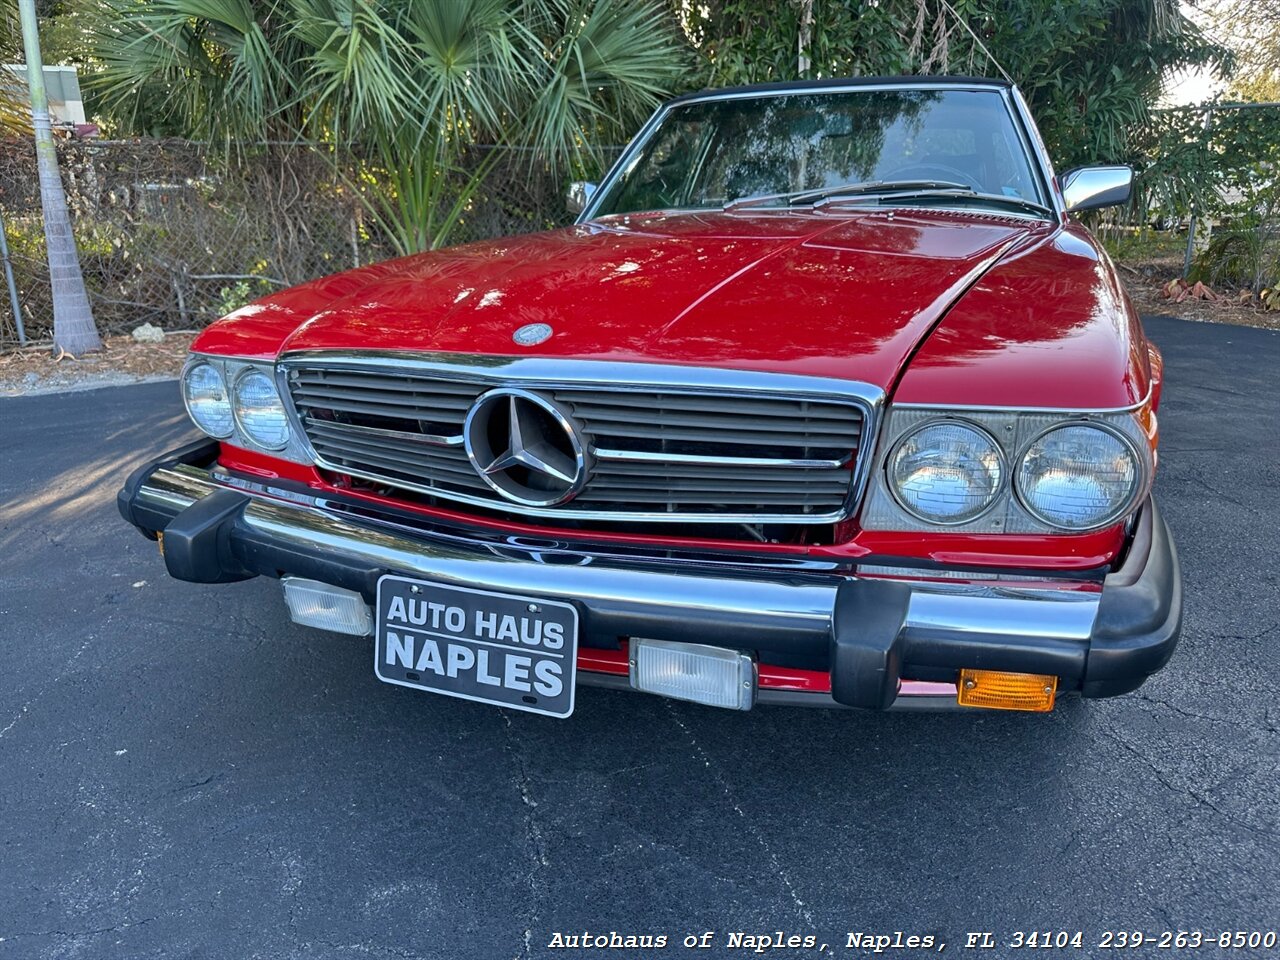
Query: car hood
(848, 296)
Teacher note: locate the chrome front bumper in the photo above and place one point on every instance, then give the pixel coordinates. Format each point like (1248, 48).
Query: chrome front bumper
(868, 629)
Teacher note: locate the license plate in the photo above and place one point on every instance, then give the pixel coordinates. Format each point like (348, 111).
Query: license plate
(512, 651)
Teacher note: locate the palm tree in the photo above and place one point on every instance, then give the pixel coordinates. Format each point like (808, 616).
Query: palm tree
(405, 87)
(73, 328)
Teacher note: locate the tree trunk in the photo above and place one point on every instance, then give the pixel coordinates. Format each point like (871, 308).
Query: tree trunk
(806, 37)
(73, 327)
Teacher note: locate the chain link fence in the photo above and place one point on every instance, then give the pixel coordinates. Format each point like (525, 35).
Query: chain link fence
(176, 233)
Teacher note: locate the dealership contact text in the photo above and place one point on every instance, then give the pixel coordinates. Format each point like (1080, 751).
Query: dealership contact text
(748, 942)
(903, 944)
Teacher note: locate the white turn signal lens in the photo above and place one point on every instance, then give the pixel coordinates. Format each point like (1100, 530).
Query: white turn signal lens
(690, 671)
(1078, 477)
(946, 472)
(259, 411)
(315, 604)
(205, 394)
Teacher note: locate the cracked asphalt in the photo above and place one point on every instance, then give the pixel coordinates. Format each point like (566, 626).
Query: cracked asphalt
(183, 773)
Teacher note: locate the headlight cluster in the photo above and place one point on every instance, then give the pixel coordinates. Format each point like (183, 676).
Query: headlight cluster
(237, 400)
(1005, 471)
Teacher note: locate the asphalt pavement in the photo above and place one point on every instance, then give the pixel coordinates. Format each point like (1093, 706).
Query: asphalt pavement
(184, 773)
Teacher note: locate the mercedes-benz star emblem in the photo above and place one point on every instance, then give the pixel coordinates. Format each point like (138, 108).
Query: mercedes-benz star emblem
(525, 447)
(531, 334)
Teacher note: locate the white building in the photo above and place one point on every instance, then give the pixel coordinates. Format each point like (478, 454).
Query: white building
(66, 105)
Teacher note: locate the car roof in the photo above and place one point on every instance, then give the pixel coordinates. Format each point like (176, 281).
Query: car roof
(844, 82)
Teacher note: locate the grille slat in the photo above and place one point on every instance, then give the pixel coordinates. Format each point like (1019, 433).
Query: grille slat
(673, 493)
(390, 426)
(378, 381)
(386, 466)
(835, 485)
(710, 499)
(666, 495)
(345, 431)
(355, 452)
(607, 421)
(319, 397)
(752, 434)
(371, 409)
(588, 403)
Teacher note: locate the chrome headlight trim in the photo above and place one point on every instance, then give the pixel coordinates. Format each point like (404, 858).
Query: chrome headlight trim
(1014, 431)
(1002, 476)
(232, 370)
(1141, 475)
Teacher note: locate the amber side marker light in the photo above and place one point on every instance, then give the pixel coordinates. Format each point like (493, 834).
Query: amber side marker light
(160, 541)
(1006, 691)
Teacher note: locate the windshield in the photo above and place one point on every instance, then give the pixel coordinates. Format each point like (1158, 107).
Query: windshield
(714, 152)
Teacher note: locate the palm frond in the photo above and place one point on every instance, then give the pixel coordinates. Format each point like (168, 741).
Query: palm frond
(474, 64)
(406, 85)
(608, 63)
(357, 64)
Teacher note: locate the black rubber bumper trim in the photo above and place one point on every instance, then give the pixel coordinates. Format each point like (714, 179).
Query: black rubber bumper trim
(198, 453)
(873, 646)
(1134, 634)
(1140, 615)
(198, 541)
(867, 642)
(265, 555)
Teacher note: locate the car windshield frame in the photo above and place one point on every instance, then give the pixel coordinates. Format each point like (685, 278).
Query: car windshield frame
(1038, 163)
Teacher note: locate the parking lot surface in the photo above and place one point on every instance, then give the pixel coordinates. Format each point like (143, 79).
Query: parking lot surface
(184, 773)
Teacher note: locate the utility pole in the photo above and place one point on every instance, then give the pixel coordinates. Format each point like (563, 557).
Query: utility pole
(73, 328)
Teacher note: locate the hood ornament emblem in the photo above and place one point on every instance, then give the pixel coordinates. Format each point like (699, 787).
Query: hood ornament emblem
(524, 447)
(532, 334)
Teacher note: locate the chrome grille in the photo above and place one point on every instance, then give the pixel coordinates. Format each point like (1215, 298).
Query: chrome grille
(656, 452)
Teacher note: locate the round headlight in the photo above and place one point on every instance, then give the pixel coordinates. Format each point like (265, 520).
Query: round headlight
(259, 411)
(946, 472)
(206, 397)
(1077, 477)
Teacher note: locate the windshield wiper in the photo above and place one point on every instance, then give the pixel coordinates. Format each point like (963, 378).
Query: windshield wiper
(795, 198)
(958, 192)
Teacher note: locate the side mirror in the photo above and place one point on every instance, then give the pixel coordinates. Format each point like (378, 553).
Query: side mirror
(579, 195)
(1089, 188)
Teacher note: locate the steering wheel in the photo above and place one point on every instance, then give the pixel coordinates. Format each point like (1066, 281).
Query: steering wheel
(931, 171)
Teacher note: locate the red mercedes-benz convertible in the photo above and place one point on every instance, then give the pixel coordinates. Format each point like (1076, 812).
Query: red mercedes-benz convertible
(824, 399)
